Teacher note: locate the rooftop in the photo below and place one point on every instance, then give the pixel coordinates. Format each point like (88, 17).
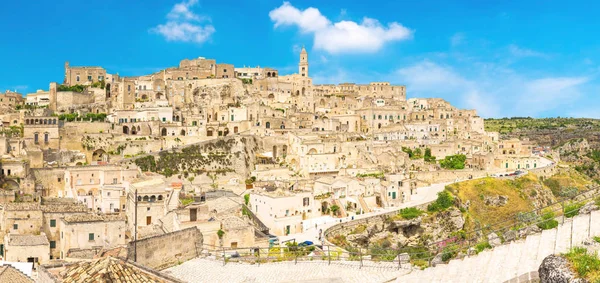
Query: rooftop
(21, 206)
(27, 240)
(13, 275)
(110, 269)
(80, 218)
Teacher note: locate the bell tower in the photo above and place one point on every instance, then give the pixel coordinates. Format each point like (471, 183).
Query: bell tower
(303, 65)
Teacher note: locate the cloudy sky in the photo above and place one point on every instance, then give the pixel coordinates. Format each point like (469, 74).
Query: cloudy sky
(503, 58)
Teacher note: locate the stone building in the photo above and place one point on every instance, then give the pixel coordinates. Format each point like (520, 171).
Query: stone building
(84, 235)
(27, 248)
(85, 75)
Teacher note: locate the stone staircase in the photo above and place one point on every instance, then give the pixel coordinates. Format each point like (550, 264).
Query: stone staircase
(517, 261)
(363, 205)
(343, 212)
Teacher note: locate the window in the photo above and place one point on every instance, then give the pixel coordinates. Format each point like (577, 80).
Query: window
(164, 119)
(52, 222)
(114, 180)
(90, 78)
(15, 226)
(100, 78)
(77, 78)
(91, 236)
(108, 194)
(52, 244)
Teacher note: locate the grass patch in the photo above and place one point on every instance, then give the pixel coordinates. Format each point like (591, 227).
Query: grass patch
(359, 229)
(476, 190)
(585, 264)
(482, 246)
(548, 221)
(596, 239)
(572, 209)
(569, 179)
(410, 213)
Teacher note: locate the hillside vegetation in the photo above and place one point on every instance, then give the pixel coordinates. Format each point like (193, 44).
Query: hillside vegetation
(491, 200)
(515, 124)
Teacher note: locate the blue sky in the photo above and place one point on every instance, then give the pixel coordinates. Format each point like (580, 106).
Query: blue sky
(503, 58)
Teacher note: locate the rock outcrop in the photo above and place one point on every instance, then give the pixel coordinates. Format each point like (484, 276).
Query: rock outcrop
(496, 201)
(555, 269)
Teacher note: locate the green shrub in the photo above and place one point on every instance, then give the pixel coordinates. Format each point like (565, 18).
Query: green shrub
(448, 253)
(572, 209)
(454, 162)
(596, 239)
(382, 253)
(410, 212)
(443, 201)
(548, 221)
(246, 199)
(482, 246)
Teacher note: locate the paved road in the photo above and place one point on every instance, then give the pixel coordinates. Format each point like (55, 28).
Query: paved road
(210, 270)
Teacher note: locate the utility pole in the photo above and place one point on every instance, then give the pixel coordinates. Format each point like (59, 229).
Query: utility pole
(135, 228)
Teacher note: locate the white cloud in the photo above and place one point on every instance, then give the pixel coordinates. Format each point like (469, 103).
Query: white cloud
(341, 37)
(524, 52)
(184, 25)
(492, 90)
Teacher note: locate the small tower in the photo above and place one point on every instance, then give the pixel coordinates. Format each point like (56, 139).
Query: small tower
(53, 97)
(67, 79)
(303, 66)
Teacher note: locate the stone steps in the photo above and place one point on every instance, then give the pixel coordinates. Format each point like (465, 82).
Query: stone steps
(517, 261)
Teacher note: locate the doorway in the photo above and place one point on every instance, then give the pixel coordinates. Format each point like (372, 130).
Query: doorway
(193, 214)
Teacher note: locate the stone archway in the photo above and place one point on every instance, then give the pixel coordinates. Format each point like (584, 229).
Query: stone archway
(126, 130)
(99, 155)
(163, 132)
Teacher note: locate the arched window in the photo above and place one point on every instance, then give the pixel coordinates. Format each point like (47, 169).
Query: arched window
(146, 198)
(160, 197)
(153, 198)
(268, 125)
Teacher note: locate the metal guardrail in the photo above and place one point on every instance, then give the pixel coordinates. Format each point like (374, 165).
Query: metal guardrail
(257, 222)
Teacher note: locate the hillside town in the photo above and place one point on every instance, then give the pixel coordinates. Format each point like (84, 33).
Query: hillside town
(140, 174)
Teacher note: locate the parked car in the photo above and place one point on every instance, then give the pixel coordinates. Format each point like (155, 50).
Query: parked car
(305, 244)
(231, 254)
(273, 240)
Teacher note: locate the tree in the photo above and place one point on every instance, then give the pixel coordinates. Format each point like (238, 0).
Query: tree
(428, 157)
(417, 153)
(334, 209)
(214, 183)
(454, 162)
(246, 199)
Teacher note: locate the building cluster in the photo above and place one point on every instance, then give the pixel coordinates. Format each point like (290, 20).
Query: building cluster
(72, 186)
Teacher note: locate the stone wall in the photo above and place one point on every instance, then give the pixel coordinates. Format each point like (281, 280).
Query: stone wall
(166, 250)
(448, 175)
(545, 172)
